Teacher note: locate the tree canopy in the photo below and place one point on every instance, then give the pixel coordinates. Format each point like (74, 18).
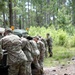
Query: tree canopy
(26, 13)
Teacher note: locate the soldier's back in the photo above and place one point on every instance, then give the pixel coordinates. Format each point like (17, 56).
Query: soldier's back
(12, 44)
(26, 49)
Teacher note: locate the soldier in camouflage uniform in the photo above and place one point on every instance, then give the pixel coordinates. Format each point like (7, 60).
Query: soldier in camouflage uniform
(41, 48)
(49, 44)
(45, 42)
(27, 50)
(16, 58)
(35, 53)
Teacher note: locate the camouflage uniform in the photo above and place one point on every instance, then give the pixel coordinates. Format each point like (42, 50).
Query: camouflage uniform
(16, 58)
(49, 44)
(41, 48)
(45, 42)
(26, 49)
(35, 53)
(36, 69)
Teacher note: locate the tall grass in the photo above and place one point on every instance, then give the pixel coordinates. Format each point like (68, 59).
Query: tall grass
(61, 55)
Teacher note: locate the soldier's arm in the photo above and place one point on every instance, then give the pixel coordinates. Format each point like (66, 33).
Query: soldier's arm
(42, 46)
(51, 42)
(28, 46)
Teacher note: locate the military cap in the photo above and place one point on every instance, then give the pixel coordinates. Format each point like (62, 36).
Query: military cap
(8, 30)
(29, 37)
(48, 34)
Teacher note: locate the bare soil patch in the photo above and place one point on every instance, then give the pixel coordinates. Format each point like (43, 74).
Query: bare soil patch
(65, 69)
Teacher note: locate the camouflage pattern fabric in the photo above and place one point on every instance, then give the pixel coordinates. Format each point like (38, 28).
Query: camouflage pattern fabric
(41, 48)
(27, 50)
(35, 51)
(49, 41)
(17, 68)
(28, 68)
(45, 43)
(49, 44)
(16, 58)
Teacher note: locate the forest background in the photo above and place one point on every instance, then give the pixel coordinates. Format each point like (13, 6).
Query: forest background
(56, 17)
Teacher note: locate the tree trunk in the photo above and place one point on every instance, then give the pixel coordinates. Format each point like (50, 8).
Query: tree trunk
(73, 12)
(28, 15)
(15, 21)
(41, 6)
(20, 22)
(4, 23)
(14, 17)
(10, 13)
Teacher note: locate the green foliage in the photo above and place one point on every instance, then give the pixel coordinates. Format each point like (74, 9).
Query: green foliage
(72, 41)
(61, 53)
(64, 17)
(2, 5)
(70, 29)
(40, 31)
(40, 12)
(60, 37)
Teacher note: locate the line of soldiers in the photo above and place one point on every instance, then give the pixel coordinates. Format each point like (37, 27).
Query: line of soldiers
(25, 54)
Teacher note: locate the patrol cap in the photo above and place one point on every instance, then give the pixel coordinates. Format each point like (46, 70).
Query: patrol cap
(29, 37)
(48, 34)
(8, 30)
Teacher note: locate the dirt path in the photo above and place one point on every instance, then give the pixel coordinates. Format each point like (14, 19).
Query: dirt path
(68, 69)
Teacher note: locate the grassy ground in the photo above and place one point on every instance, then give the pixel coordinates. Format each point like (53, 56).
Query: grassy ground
(60, 56)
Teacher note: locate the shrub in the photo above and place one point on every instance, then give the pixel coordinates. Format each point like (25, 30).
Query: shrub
(60, 37)
(72, 41)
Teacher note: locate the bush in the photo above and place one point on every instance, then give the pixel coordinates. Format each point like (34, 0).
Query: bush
(60, 37)
(72, 42)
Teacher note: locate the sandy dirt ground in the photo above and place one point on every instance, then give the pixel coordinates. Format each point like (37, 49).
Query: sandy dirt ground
(68, 69)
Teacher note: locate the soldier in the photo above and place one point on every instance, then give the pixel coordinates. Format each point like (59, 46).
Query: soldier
(16, 58)
(41, 48)
(27, 50)
(45, 42)
(49, 44)
(36, 70)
